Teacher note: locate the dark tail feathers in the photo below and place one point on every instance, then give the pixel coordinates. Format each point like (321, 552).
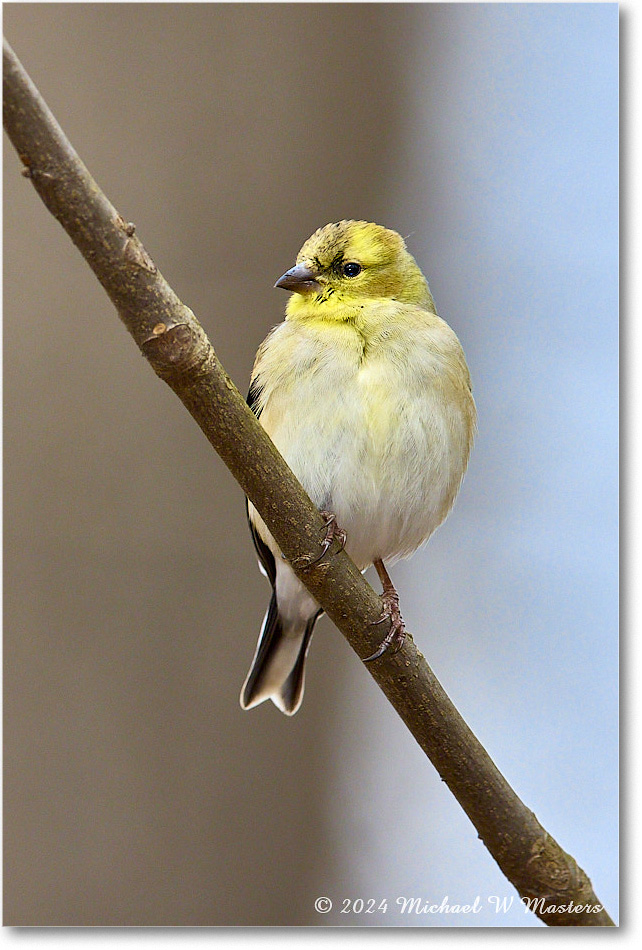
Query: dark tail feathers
(278, 667)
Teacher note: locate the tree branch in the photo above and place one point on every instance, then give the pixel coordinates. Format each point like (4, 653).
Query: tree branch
(178, 350)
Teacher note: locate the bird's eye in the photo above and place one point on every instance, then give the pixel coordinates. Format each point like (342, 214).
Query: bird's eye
(351, 269)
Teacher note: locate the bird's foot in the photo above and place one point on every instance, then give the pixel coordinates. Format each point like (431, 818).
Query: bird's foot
(390, 611)
(332, 532)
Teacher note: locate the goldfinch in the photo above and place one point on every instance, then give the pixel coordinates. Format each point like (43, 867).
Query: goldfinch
(366, 393)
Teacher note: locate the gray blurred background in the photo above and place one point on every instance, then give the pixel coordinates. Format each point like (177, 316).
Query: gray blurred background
(136, 790)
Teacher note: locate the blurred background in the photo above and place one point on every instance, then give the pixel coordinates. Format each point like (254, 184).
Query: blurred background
(136, 790)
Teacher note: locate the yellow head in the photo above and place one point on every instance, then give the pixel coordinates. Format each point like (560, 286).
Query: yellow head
(353, 261)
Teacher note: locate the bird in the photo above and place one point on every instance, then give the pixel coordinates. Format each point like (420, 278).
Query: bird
(366, 393)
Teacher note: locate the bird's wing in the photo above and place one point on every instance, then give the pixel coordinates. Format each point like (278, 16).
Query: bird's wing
(266, 557)
(253, 397)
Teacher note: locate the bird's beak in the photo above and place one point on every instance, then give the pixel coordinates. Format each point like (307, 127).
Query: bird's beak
(300, 279)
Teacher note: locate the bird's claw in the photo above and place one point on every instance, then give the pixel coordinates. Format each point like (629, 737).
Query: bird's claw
(332, 532)
(397, 633)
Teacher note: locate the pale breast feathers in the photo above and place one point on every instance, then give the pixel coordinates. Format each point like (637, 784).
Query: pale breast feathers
(378, 433)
